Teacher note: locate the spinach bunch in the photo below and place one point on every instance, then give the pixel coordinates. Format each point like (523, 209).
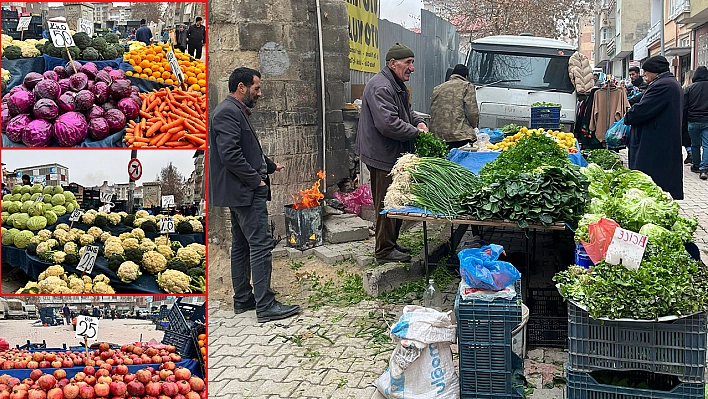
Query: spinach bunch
(606, 159)
(426, 145)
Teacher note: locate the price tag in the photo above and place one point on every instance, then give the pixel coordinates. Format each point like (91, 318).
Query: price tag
(174, 65)
(167, 225)
(24, 23)
(59, 31)
(106, 196)
(75, 215)
(168, 201)
(105, 208)
(39, 199)
(626, 248)
(88, 259)
(86, 326)
(84, 25)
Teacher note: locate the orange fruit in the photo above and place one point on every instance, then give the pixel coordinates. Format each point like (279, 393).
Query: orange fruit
(196, 87)
(192, 80)
(129, 73)
(202, 337)
(156, 74)
(138, 68)
(201, 75)
(169, 81)
(147, 71)
(143, 75)
(203, 350)
(201, 82)
(166, 75)
(145, 64)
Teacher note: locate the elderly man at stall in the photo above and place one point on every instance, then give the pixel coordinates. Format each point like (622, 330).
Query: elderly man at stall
(387, 129)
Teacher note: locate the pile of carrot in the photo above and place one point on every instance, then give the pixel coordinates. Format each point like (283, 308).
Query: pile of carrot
(170, 118)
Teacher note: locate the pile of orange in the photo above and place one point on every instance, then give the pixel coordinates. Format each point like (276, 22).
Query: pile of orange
(150, 62)
(202, 343)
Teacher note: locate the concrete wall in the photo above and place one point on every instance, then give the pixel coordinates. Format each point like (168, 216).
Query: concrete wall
(279, 38)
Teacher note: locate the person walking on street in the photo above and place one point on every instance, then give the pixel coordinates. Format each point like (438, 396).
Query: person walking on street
(655, 137)
(696, 112)
(143, 34)
(67, 315)
(453, 110)
(387, 129)
(181, 38)
(238, 179)
(638, 86)
(165, 36)
(196, 35)
(685, 137)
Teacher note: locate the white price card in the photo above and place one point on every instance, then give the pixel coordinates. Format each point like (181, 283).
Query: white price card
(168, 201)
(88, 259)
(167, 225)
(105, 208)
(86, 326)
(39, 199)
(106, 196)
(626, 248)
(59, 31)
(75, 215)
(84, 25)
(24, 23)
(174, 65)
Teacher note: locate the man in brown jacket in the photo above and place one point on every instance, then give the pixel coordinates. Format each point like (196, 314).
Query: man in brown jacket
(453, 111)
(387, 128)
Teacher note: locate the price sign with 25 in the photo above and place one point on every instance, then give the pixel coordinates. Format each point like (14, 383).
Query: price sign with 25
(88, 259)
(59, 31)
(167, 225)
(86, 326)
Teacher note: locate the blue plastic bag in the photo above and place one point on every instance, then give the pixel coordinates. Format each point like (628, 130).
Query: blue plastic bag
(617, 135)
(481, 268)
(495, 135)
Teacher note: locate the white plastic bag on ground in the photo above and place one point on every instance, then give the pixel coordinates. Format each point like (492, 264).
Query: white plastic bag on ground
(421, 366)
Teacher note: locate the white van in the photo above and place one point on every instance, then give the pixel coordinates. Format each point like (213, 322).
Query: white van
(513, 72)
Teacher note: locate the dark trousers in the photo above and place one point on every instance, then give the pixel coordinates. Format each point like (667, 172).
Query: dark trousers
(251, 258)
(387, 230)
(195, 51)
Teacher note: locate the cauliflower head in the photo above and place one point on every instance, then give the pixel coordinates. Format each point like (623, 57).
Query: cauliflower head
(174, 282)
(162, 240)
(71, 248)
(166, 251)
(59, 257)
(50, 285)
(138, 233)
(105, 236)
(44, 234)
(147, 245)
(189, 256)
(62, 226)
(129, 243)
(95, 231)
(102, 288)
(154, 262)
(113, 219)
(128, 272)
(196, 226)
(141, 214)
(101, 278)
(112, 248)
(87, 239)
(56, 271)
(76, 285)
(43, 247)
(199, 248)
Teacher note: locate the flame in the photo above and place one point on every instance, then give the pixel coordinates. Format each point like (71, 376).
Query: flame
(311, 197)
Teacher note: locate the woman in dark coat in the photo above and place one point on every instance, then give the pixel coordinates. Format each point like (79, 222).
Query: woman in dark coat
(655, 138)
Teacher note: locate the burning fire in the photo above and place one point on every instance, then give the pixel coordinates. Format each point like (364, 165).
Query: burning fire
(311, 197)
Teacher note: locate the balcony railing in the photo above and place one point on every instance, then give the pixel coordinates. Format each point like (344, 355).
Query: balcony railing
(654, 34)
(681, 11)
(611, 47)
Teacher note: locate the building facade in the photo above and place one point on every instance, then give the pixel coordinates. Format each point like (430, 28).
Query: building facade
(53, 174)
(152, 194)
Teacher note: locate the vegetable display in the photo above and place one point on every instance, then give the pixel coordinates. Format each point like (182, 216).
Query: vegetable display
(21, 210)
(427, 145)
(150, 62)
(566, 141)
(606, 159)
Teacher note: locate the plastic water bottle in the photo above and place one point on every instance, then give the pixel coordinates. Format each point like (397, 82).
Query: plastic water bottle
(432, 297)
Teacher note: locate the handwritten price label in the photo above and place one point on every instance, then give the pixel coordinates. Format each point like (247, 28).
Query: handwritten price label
(86, 326)
(39, 199)
(75, 215)
(88, 259)
(174, 65)
(167, 225)
(168, 201)
(84, 25)
(24, 23)
(59, 32)
(626, 248)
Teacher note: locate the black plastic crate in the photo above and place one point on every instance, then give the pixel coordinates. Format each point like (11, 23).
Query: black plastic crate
(182, 342)
(548, 321)
(581, 385)
(184, 316)
(199, 329)
(480, 383)
(675, 348)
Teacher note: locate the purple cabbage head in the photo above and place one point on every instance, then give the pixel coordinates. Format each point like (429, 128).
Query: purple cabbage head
(64, 85)
(70, 70)
(107, 69)
(37, 133)
(89, 69)
(120, 89)
(78, 81)
(66, 103)
(31, 80)
(5, 116)
(21, 102)
(128, 107)
(47, 89)
(108, 105)
(51, 75)
(15, 126)
(70, 129)
(116, 120)
(94, 112)
(98, 128)
(100, 90)
(46, 109)
(103, 76)
(84, 100)
(61, 72)
(90, 85)
(117, 74)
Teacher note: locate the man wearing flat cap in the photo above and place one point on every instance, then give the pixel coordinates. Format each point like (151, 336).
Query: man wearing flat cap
(655, 137)
(387, 129)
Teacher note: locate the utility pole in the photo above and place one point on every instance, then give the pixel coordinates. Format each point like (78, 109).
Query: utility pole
(661, 27)
(131, 185)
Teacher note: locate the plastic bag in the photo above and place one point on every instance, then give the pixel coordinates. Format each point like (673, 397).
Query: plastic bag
(617, 135)
(481, 268)
(353, 201)
(477, 294)
(495, 135)
(600, 234)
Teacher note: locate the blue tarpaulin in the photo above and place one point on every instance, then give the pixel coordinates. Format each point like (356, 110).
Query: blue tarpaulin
(190, 364)
(19, 68)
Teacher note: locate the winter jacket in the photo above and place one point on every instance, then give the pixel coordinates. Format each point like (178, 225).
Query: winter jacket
(181, 38)
(196, 35)
(655, 137)
(143, 34)
(387, 124)
(695, 101)
(453, 110)
(580, 73)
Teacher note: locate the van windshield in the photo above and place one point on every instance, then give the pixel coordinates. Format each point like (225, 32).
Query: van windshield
(533, 71)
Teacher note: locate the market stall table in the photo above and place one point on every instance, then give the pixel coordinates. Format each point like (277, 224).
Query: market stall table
(190, 364)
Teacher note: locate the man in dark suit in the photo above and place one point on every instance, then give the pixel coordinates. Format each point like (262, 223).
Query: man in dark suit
(238, 179)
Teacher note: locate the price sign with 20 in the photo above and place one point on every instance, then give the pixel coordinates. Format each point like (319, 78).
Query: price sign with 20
(86, 326)
(61, 37)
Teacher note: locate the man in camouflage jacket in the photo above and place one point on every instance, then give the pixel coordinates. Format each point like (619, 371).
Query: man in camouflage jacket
(453, 111)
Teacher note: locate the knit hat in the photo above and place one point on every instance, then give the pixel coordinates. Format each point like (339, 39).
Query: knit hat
(399, 52)
(656, 64)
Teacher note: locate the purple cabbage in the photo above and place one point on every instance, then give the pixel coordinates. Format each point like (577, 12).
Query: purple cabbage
(21, 102)
(64, 85)
(120, 89)
(51, 75)
(70, 129)
(70, 70)
(135, 90)
(15, 126)
(94, 112)
(116, 120)
(66, 103)
(84, 100)
(47, 89)
(107, 69)
(5, 116)
(128, 107)
(108, 105)
(100, 90)
(117, 74)
(31, 80)
(37, 133)
(78, 81)
(90, 85)
(45, 109)
(89, 69)
(103, 76)
(98, 128)
(136, 99)
(61, 73)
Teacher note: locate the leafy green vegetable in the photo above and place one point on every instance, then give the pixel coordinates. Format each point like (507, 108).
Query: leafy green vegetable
(426, 145)
(511, 129)
(581, 233)
(529, 153)
(606, 159)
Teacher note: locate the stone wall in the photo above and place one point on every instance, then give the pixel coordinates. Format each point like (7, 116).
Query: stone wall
(279, 38)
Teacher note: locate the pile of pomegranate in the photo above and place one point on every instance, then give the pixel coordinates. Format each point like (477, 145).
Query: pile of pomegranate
(107, 381)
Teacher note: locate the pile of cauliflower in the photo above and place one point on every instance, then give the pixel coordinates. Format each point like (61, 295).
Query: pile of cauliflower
(28, 47)
(54, 280)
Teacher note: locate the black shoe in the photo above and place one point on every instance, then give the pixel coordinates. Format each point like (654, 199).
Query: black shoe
(688, 159)
(695, 169)
(704, 176)
(403, 249)
(394, 256)
(245, 307)
(277, 311)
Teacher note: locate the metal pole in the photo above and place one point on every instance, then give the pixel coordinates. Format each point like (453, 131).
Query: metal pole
(661, 28)
(322, 97)
(131, 186)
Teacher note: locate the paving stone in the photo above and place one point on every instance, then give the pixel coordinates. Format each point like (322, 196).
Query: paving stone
(345, 228)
